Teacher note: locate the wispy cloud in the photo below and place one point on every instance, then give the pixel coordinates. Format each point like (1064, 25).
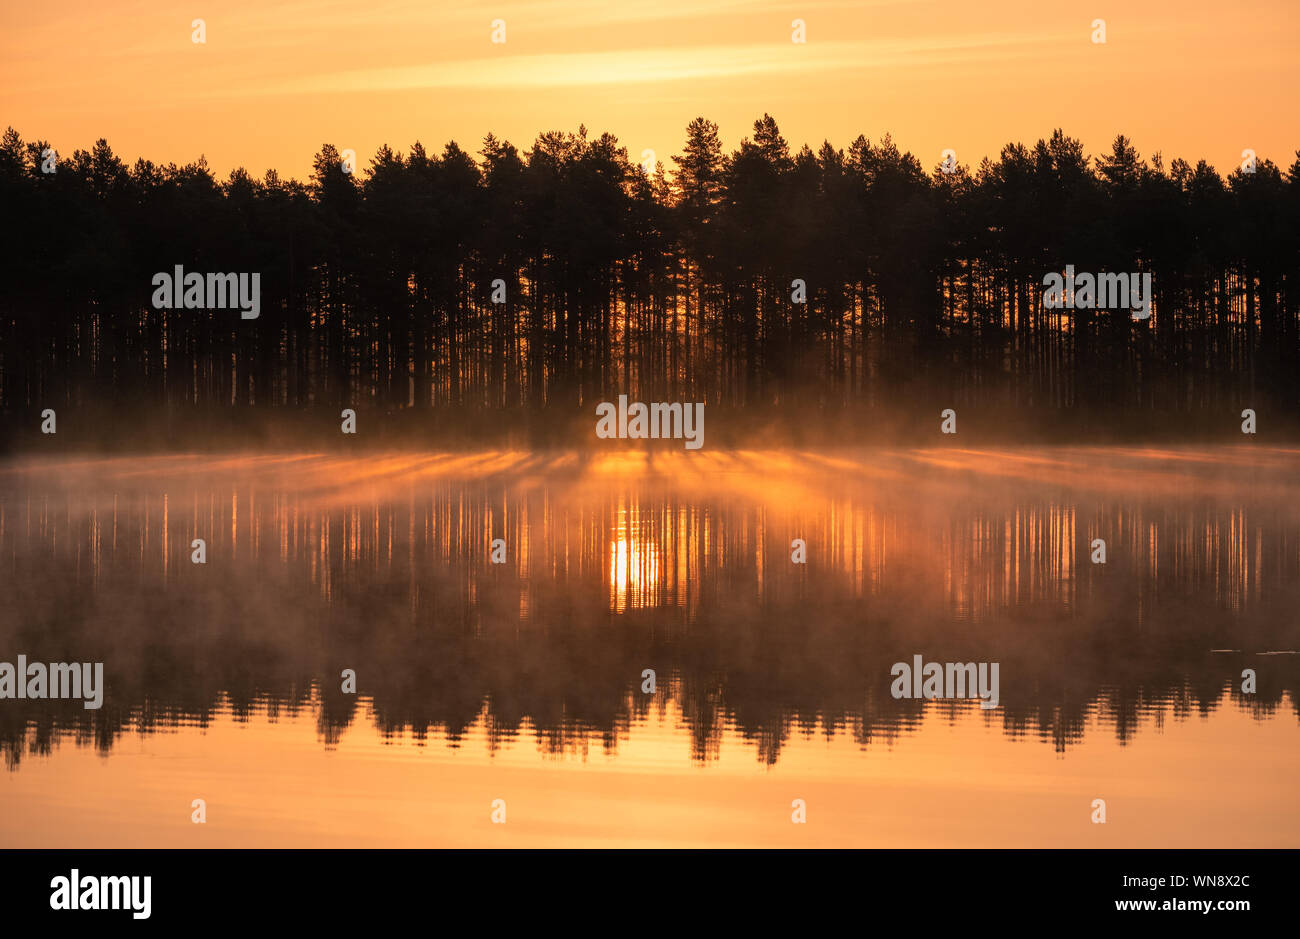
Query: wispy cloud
(645, 66)
(542, 15)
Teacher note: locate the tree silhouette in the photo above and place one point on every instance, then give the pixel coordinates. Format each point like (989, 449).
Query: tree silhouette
(377, 287)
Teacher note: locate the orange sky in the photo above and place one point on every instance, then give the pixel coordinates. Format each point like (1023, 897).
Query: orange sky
(277, 79)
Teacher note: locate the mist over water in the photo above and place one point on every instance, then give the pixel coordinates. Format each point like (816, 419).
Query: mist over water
(768, 672)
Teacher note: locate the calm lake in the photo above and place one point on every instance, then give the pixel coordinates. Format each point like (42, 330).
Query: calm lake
(523, 681)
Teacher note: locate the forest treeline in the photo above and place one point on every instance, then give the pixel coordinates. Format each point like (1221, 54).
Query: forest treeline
(377, 286)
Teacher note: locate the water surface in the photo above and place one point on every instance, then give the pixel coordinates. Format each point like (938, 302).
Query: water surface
(523, 680)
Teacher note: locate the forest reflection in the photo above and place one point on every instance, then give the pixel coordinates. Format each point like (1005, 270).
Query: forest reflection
(648, 559)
